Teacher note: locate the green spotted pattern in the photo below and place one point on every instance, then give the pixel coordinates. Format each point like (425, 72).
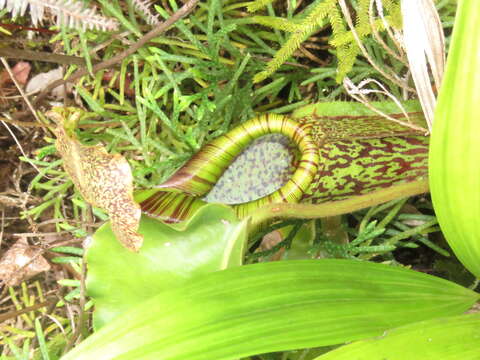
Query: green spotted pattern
(263, 167)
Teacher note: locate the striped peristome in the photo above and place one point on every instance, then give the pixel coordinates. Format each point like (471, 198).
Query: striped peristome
(332, 158)
(168, 206)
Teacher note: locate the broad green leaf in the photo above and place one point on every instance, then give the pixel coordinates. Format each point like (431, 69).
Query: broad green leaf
(454, 154)
(448, 338)
(213, 239)
(274, 306)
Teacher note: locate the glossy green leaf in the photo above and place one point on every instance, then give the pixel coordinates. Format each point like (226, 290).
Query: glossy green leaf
(454, 153)
(448, 338)
(213, 239)
(274, 306)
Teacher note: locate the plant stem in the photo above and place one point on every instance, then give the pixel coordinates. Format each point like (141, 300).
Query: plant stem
(333, 208)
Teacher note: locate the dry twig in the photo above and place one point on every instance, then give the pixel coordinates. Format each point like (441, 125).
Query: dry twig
(162, 27)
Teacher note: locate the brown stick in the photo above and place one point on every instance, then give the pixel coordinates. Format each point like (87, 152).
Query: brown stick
(21, 27)
(81, 126)
(162, 27)
(12, 53)
(50, 300)
(23, 123)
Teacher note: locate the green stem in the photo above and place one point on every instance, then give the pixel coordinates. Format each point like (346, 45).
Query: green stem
(333, 208)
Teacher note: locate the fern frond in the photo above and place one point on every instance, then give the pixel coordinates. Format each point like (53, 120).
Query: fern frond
(362, 12)
(342, 38)
(308, 26)
(277, 23)
(390, 5)
(347, 51)
(336, 20)
(258, 4)
(143, 7)
(394, 9)
(320, 12)
(346, 54)
(362, 31)
(67, 12)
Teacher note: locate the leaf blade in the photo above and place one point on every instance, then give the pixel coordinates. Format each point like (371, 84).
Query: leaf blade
(453, 157)
(273, 307)
(449, 338)
(171, 254)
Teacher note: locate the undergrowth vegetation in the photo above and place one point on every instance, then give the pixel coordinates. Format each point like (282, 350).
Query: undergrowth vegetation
(195, 83)
(221, 65)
